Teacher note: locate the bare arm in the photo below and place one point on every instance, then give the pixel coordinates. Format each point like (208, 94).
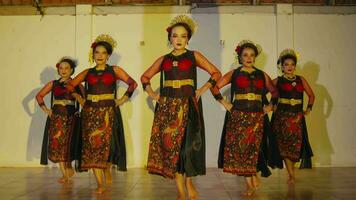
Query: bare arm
(41, 94)
(204, 64)
(310, 93)
(122, 75)
(148, 74)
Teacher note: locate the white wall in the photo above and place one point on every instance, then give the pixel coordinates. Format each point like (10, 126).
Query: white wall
(30, 46)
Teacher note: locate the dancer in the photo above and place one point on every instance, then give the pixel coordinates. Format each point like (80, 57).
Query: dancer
(244, 125)
(177, 144)
(103, 142)
(288, 121)
(62, 121)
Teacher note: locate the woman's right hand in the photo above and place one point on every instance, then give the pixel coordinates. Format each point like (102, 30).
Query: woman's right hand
(49, 112)
(227, 105)
(155, 96)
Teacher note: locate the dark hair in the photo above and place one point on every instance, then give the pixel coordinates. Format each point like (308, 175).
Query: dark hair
(245, 46)
(184, 25)
(104, 44)
(71, 63)
(286, 57)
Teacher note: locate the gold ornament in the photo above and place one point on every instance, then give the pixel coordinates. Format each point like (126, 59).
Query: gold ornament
(101, 38)
(243, 42)
(186, 20)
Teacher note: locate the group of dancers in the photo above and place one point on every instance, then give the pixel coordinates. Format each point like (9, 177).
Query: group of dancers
(84, 123)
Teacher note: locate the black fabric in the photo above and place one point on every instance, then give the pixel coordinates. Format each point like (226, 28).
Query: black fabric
(44, 149)
(175, 73)
(247, 105)
(292, 94)
(274, 156)
(306, 151)
(192, 156)
(117, 152)
(275, 159)
(255, 106)
(59, 109)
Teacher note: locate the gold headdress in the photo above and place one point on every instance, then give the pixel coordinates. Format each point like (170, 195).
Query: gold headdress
(243, 42)
(74, 62)
(101, 38)
(185, 20)
(288, 52)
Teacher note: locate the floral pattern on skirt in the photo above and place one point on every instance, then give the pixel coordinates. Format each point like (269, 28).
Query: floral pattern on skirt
(244, 132)
(97, 131)
(288, 129)
(167, 136)
(60, 134)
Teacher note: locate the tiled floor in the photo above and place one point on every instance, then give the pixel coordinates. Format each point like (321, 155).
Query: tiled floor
(40, 183)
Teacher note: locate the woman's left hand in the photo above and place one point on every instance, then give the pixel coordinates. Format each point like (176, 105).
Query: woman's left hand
(119, 102)
(198, 93)
(268, 108)
(306, 112)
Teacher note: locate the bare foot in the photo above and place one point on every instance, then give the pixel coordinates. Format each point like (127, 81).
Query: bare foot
(180, 197)
(255, 182)
(291, 180)
(192, 192)
(70, 172)
(62, 180)
(248, 192)
(108, 177)
(99, 190)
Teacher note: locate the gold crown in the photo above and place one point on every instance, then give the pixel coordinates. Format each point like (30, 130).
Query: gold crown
(66, 57)
(243, 42)
(186, 20)
(101, 38)
(288, 52)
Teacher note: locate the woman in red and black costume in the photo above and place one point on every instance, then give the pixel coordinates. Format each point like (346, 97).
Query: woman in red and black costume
(288, 121)
(62, 125)
(177, 144)
(241, 140)
(103, 142)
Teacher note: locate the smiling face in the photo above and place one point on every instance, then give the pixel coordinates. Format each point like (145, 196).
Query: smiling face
(101, 55)
(288, 66)
(179, 38)
(248, 57)
(65, 70)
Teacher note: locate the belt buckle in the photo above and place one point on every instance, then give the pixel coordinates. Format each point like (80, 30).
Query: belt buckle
(293, 102)
(95, 98)
(251, 96)
(176, 83)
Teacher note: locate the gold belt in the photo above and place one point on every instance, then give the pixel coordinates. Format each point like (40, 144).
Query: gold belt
(178, 83)
(64, 102)
(291, 102)
(99, 97)
(249, 96)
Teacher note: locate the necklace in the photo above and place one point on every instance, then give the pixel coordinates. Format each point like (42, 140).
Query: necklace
(290, 78)
(248, 70)
(175, 53)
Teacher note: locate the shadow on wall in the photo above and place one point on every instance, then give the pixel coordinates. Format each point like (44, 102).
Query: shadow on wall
(126, 109)
(317, 120)
(38, 117)
(208, 41)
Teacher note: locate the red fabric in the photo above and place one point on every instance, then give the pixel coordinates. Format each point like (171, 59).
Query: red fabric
(287, 86)
(58, 91)
(299, 87)
(185, 64)
(106, 78)
(167, 65)
(258, 83)
(242, 81)
(92, 79)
